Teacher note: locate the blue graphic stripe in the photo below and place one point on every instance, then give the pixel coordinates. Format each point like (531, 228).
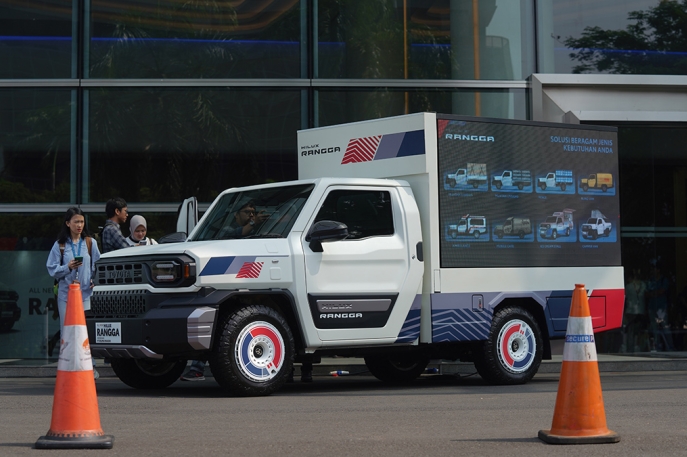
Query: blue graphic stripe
(460, 325)
(411, 327)
(217, 266)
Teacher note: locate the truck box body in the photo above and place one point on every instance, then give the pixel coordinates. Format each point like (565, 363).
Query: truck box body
(461, 288)
(357, 258)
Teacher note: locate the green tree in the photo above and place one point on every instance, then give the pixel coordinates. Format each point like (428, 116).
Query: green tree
(655, 42)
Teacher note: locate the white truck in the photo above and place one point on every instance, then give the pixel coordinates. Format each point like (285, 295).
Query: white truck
(468, 225)
(475, 175)
(513, 178)
(597, 225)
(559, 178)
(560, 223)
(349, 260)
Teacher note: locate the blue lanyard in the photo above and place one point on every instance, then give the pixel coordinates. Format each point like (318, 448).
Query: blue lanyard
(76, 254)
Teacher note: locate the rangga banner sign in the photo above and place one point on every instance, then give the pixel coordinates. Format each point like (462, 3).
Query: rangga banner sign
(25, 285)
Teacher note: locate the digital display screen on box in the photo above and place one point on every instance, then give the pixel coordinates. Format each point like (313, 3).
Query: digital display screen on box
(539, 195)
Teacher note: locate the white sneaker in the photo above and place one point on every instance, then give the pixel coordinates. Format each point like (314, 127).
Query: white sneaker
(96, 375)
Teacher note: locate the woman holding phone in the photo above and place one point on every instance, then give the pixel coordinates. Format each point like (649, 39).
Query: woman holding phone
(72, 259)
(139, 229)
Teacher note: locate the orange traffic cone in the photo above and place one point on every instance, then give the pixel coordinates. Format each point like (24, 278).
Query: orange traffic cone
(579, 416)
(75, 418)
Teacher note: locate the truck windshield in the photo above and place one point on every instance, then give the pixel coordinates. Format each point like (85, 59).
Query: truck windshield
(276, 210)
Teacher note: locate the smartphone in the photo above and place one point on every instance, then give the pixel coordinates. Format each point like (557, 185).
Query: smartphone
(78, 259)
(143, 242)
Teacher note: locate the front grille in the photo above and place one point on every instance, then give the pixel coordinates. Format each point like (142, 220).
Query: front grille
(125, 303)
(121, 273)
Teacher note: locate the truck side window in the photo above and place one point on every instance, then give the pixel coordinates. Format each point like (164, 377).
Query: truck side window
(366, 213)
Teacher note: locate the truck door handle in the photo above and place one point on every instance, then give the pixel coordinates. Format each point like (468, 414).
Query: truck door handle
(418, 251)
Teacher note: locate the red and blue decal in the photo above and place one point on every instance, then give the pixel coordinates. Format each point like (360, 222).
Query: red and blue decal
(260, 351)
(380, 147)
(516, 346)
(241, 266)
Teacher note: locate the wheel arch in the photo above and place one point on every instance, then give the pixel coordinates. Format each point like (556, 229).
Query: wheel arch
(280, 300)
(537, 311)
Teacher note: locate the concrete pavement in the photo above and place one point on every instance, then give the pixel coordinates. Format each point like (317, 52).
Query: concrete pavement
(653, 361)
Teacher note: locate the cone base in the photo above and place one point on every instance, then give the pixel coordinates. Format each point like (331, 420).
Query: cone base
(91, 442)
(548, 437)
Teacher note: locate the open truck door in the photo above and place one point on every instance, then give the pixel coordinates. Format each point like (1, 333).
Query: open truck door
(187, 219)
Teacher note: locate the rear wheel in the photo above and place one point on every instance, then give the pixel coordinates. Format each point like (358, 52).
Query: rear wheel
(397, 368)
(147, 374)
(513, 352)
(563, 187)
(554, 234)
(254, 351)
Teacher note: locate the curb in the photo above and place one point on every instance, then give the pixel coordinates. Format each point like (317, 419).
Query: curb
(357, 367)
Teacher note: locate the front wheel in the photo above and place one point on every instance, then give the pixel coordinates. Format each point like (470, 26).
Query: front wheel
(254, 351)
(397, 368)
(513, 351)
(554, 234)
(147, 374)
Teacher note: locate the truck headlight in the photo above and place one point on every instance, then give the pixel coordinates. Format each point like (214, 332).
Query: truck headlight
(166, 271)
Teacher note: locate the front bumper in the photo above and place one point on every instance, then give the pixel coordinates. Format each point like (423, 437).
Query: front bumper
(141, 324)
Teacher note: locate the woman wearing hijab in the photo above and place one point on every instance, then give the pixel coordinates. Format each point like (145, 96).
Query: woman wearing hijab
(139, 229)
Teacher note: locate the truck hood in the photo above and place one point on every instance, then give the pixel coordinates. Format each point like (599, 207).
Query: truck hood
(223, 258)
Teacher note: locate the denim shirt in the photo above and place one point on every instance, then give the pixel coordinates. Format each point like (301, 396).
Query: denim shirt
(65, 276)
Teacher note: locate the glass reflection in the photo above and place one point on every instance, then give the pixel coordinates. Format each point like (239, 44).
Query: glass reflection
(417, 39)
(36, 39)
(35, 145)
(164, 145)
(341, 106)
(607, 36)
(215, 39)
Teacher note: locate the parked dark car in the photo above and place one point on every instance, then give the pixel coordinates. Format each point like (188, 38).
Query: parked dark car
(9, 310)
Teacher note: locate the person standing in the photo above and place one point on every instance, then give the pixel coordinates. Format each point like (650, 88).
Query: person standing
(139, 229)
(117, 213)
(72, 260)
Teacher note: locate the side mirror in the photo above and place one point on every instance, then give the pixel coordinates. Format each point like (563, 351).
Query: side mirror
(176, 237)
(323, 231)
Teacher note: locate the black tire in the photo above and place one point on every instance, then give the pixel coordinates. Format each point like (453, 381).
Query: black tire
(498, 184)
(520, 186)
(6, 326)
(594, 235)
(397, 368)
(476, 233)
(554, 234)
(607, 232)
(451, 182)
(513, 351)
(521, 234)
(604, 187)
(499, 235)
(542, 186)
(453, 234)
(567, 231)
(475, 184)
(563, 187)
(254, 352)
(148, 374)
(585, 187)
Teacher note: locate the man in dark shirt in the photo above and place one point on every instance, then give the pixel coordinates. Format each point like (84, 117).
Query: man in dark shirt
(117, 212)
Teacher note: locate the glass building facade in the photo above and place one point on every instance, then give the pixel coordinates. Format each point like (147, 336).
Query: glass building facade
(156, 101)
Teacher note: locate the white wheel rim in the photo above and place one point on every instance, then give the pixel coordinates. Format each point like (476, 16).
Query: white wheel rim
(260, 351)
(516, 346)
